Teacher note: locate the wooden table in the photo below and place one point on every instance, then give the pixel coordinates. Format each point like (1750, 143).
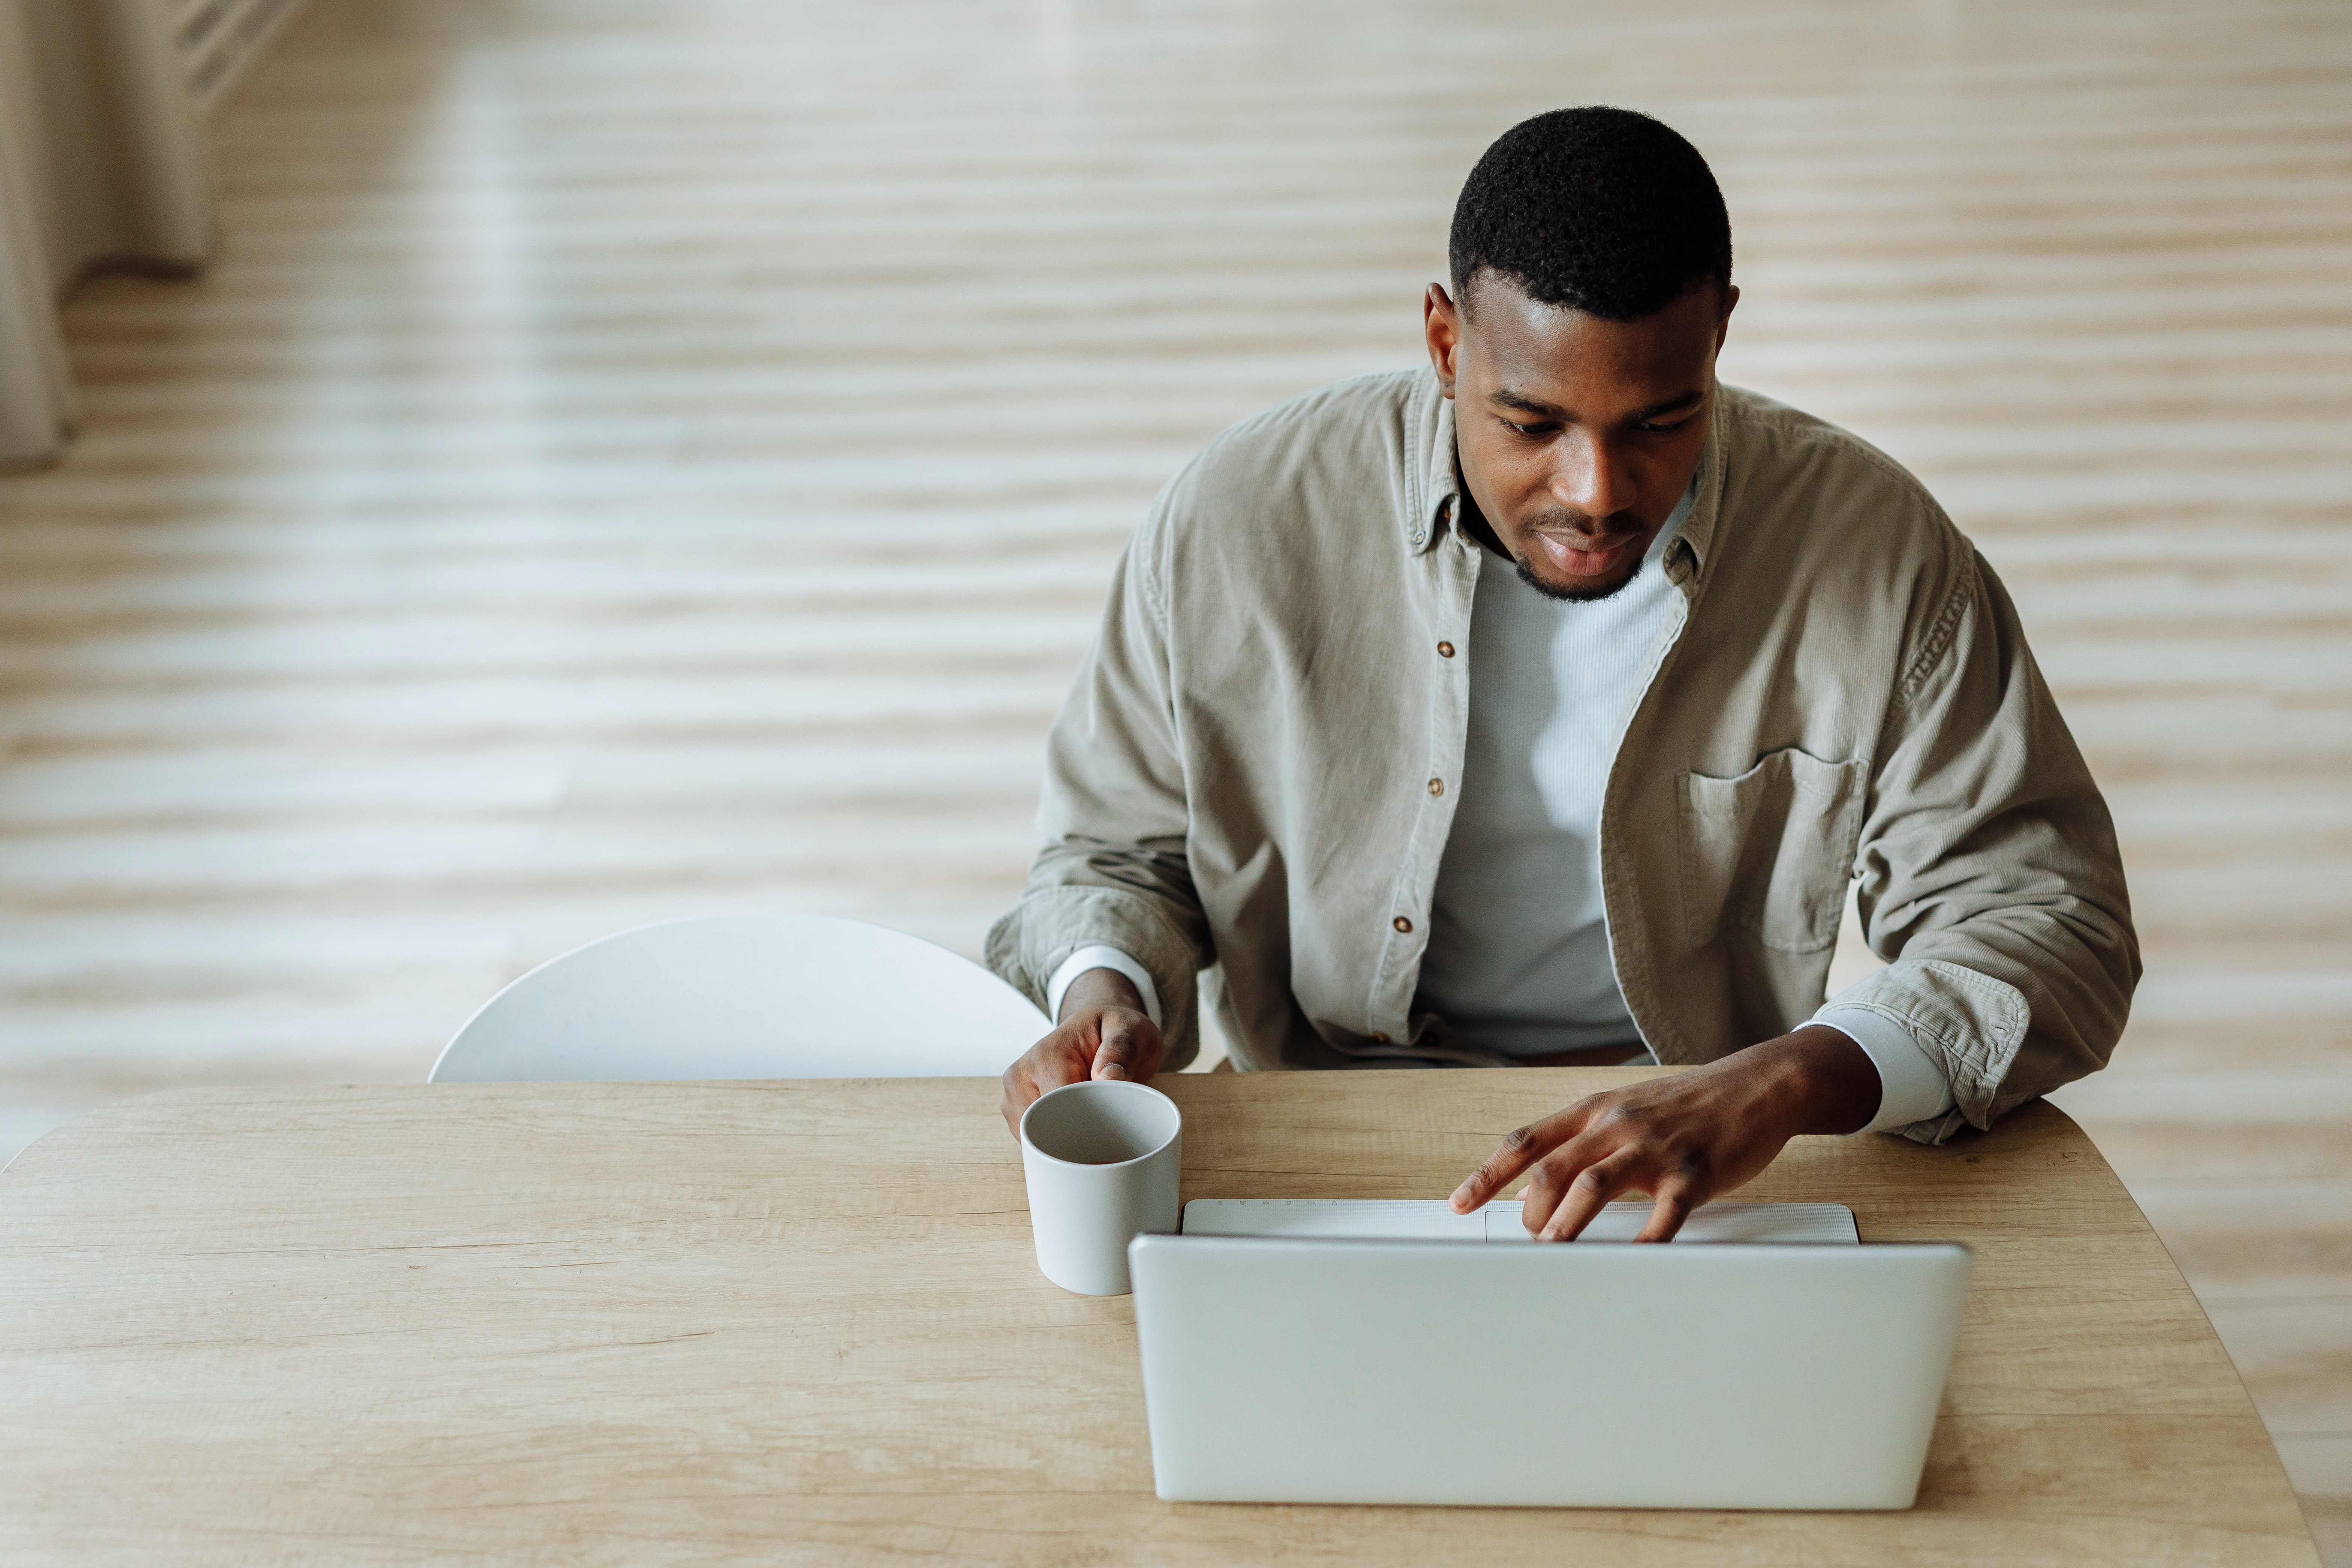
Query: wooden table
(802, 1322)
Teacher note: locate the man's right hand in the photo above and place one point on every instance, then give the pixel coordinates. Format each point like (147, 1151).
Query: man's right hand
(1103, 1033)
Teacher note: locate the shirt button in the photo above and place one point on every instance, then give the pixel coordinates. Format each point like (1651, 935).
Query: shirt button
(1437, 787)
(1401, 923)
(1445, 650)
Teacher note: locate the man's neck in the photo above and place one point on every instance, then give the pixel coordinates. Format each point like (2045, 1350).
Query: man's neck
(1473, 520)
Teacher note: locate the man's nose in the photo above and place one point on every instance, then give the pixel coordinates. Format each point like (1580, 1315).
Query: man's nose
(1591, 477)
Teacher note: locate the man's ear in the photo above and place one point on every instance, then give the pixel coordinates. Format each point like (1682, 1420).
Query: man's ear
(1441, 325)
(1723, 322)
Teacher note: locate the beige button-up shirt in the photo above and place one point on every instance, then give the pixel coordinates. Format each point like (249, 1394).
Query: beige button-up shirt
(1240, 783)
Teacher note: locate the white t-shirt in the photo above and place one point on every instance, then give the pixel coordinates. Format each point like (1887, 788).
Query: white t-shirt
(1518, 958)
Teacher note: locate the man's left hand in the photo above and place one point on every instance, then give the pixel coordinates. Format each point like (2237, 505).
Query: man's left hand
(1684, 1140)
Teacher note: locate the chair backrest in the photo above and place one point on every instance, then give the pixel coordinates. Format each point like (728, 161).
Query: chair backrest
(738, 996)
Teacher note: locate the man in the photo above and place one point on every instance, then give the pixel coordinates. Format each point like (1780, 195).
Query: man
(1540, 706)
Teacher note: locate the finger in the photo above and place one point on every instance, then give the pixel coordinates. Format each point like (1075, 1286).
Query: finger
(1045, 1066)
(1023, 1085)
(1019, 1093)
(1548, 1183)
(1677, 1195)
(1589, 1193)
(1130, 1049)
(1522, 1148)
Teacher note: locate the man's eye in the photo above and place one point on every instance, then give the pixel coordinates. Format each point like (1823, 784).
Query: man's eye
(1650, 428)
(1530, 431)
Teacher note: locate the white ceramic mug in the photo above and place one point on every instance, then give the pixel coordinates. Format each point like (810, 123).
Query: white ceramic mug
(1102, 1160)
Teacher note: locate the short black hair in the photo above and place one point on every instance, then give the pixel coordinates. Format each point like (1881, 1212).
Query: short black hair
(1602, 210)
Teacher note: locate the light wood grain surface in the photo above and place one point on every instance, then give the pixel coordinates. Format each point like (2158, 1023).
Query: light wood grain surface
(802, 1322)
(638, 461)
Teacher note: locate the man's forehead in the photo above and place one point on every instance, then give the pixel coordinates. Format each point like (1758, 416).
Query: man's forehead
(1541, 354)
(1489, 291)
(1508, 397)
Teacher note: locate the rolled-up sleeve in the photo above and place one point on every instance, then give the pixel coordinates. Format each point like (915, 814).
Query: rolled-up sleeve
(1988, 873)
(1112, 870)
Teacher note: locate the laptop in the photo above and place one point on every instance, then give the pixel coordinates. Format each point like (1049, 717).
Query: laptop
(1315, 1351)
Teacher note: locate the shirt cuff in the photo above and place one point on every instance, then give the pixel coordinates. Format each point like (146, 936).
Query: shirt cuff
(1099, 957)
(1911, 1083)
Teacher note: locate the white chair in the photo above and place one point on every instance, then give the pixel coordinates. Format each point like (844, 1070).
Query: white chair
(746, 996)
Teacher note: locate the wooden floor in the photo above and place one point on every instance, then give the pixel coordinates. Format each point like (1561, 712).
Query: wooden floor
(640, 459)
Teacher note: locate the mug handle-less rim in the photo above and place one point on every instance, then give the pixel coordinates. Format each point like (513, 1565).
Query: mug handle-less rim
(1123, 1085)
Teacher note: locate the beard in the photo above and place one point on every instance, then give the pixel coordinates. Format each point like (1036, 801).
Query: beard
(1563, 519)
(1578, 596)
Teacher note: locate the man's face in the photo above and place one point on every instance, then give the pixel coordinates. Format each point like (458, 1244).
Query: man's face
(1577, 435)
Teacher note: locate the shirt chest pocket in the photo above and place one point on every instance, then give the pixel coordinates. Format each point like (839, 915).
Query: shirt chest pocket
(1770, 852)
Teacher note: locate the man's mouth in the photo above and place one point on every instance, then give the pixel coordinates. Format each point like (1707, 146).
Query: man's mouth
(1565, 556)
